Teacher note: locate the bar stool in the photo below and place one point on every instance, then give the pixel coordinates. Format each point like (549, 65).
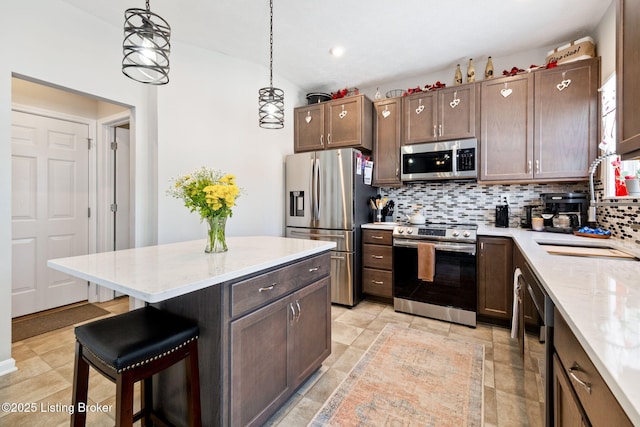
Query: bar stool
(132, 347)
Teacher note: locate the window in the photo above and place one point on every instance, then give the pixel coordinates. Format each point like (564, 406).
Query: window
(608, 141)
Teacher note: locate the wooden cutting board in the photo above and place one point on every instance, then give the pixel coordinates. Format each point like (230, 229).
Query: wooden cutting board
(580, 251)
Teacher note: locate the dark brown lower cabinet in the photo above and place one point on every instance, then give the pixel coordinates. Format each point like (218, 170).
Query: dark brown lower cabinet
(566, 407)
(579, 390)
(274, 349)
(495, 277)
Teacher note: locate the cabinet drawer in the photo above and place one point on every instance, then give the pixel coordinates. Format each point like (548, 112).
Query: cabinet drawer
(377, 237)
(252, 293)
(376, 256)
(599, 404)
(377, 282)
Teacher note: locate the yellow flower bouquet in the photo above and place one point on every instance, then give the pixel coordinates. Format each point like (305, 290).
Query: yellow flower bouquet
(212, 194)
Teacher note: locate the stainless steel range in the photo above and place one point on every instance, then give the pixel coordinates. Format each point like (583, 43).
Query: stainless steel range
(452, 294)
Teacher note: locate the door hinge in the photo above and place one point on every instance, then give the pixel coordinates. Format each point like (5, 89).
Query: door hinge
(89, 143)
(114, 146)
(114, 207)
(89, 212)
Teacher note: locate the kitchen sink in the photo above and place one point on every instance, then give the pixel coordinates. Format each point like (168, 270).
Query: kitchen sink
(595, 251)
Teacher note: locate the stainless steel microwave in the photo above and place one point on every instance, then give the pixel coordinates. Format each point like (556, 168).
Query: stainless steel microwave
(440, 160)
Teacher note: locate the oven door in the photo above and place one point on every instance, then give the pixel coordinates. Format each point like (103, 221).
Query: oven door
(452, 295)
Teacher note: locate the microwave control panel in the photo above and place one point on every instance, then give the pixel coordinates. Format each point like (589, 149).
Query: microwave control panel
(466, 159)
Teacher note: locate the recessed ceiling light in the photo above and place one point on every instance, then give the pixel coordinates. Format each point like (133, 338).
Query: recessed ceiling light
(337, 51)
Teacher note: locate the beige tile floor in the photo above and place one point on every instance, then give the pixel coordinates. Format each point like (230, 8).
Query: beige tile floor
(45, 370)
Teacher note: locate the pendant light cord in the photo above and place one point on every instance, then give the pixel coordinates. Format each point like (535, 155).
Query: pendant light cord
(270, 43)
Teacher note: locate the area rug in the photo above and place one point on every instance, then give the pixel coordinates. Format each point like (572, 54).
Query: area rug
(408, 377)
(30, 326)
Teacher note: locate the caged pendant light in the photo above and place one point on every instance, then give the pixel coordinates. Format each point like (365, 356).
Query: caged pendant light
(146, 46)
(271, 99)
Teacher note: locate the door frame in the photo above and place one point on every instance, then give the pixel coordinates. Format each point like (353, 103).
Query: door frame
(92, 159)
(104, 192)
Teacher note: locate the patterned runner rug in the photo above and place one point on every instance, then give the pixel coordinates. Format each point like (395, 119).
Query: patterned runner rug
(410, 378)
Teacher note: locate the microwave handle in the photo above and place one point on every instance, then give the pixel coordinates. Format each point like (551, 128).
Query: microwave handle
(454, 161)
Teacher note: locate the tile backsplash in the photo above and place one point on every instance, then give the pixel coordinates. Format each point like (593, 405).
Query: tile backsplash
(468, 201)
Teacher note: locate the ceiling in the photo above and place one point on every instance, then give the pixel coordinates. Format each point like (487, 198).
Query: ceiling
(384, 40)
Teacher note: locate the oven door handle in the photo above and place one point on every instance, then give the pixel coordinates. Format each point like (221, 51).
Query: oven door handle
(466, 248)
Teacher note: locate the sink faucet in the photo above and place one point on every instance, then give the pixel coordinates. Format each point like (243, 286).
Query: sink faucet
(592, 170)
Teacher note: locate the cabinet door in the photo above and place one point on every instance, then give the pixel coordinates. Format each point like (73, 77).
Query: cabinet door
(495, 281)
(344, 122)
(566, 122)
(566, 407)
(419, 118)
(386, 142)
(628, 84)
(260, 379)
(506, 121)
(308, 128)
(311, 329)
(457, 112)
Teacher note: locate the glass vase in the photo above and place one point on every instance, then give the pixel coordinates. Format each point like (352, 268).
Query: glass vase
(216, 239)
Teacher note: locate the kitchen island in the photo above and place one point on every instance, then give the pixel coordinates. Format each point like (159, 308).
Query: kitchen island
(263, 309)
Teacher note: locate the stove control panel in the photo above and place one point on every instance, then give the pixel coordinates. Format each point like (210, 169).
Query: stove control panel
(455, 233)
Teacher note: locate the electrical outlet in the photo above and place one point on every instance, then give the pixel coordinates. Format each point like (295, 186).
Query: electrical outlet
(505, 200)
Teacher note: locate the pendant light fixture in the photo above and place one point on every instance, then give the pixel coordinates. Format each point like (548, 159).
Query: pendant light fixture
(271, 99)
(146, 46)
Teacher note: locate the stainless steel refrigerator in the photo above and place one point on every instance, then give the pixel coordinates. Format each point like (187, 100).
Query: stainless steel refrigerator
(327, 199)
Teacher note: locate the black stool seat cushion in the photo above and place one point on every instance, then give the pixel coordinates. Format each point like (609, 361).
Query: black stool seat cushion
(135, 337)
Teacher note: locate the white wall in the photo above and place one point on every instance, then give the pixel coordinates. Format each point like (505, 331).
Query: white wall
(207, 115)
(50, 41)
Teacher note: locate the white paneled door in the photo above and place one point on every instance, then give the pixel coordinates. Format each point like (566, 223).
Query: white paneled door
(49, 200)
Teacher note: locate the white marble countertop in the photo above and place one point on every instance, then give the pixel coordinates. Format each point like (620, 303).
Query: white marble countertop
(600, 300)
(157, 273)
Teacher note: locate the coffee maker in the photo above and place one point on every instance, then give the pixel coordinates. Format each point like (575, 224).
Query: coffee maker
(564, 212)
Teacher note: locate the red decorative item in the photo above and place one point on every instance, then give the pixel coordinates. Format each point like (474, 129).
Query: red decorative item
(621, 187)
(513, 72)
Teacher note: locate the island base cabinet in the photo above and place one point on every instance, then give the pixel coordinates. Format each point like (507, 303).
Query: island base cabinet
(274, 349)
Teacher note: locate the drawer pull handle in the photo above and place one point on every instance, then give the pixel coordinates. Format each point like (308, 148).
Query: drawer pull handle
(377, 256)
(311, 270)
(268, 288)
(584, 384)
(299, 310)
(377, 237)
(377, 282)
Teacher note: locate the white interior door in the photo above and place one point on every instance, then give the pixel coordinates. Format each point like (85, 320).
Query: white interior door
(50, 204)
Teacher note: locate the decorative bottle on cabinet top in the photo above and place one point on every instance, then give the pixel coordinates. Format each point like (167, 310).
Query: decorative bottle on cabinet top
(488, 72)
(471, 72)
(457, 79)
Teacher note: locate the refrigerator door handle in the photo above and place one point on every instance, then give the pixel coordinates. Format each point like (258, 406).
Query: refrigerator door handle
(318, 188)
(312, 189)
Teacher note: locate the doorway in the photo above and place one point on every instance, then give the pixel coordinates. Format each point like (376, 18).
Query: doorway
(50, 191)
